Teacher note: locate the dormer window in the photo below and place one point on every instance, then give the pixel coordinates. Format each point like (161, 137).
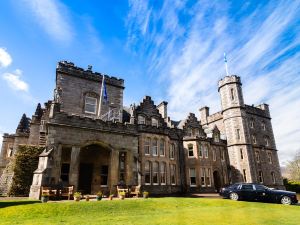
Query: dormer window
(90, 105)
(141, 119)
(154, 122)
(216, 137)
(191, 150)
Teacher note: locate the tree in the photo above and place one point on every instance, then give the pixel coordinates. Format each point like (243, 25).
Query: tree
(293, 167)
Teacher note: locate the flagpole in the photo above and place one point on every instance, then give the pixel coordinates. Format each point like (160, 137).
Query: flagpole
(226, 67)
(101, 95)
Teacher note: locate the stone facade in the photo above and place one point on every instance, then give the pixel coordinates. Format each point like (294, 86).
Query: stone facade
(96, 143)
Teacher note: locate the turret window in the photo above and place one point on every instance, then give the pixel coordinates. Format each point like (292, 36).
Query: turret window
(238, 135)
(242, 155)
(232, 94)
(257, 156)
(267, 141)
(90, 105)
(254, 139)
(269, 154)
(244, 175)
(263, 125)
(251, 123)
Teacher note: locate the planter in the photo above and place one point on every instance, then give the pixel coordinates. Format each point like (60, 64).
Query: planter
(45, 199)
(99, 198)
(111, 197)
(77, 198)
(145, 195)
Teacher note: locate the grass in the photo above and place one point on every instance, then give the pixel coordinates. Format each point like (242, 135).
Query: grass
(148, 211)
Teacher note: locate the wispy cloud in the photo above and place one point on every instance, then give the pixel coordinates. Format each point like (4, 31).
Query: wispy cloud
(15, 82)
(184, 43)
(52, 16)
(5, 58)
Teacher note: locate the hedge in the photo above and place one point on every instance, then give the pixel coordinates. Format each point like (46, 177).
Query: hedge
(291, 185)
(25, 163)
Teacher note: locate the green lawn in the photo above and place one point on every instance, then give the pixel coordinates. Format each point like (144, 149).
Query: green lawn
(149, 211)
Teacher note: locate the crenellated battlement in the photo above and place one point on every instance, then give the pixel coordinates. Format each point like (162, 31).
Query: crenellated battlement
(69, 68)
(229, 80)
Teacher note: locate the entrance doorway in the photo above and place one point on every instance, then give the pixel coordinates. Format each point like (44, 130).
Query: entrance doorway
(217, 181)
(85, 177)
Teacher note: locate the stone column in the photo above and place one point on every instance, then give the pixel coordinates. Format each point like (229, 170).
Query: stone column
(129, 167)
(114, 168)
(57, 163)
(74, 166)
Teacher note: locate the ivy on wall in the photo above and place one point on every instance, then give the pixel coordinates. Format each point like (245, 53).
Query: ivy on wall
(25, 163)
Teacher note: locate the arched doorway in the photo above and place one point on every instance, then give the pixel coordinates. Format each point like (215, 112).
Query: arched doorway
(93, 168)
(217, 180)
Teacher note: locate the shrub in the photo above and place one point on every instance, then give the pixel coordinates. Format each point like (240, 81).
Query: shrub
(25, 163)
(291, 185)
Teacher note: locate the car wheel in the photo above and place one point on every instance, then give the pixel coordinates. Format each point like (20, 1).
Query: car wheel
(286, 200)
(234, 196)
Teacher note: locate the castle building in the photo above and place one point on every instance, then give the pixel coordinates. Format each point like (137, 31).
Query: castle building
(95, 143)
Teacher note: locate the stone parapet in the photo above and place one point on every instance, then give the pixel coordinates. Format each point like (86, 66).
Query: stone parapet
(259, 110)
(70, 69)
(229, 80)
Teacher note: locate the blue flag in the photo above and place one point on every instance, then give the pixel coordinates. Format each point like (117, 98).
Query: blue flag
(225, 59)
(105, 93)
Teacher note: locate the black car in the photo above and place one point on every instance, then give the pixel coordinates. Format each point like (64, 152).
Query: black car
(258, 192)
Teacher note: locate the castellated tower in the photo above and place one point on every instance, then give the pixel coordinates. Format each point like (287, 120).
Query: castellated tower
(240, 150)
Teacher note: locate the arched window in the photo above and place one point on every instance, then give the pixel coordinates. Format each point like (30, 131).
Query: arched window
(253, 139)
(190, 150)
(155, 173)
(172, 151)
(267, 141)
(205, 151)
(148, 173)
(273, 177)
(90, 104)
(163, 173)
(232, 94)
(147, 146)
(141, 119)
(263, 125)
(251, 123)
(173, 174)
(154, 147)
(162, 147)
(269, 154)
(257, 156)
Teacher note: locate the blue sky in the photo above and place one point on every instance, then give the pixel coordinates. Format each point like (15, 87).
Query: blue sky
(170, 50)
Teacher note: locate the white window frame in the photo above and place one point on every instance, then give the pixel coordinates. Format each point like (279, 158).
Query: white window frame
(141, 119)
(214, 154)
(95, 105)
(206, 153)
(191, 150)
(154, 152)
(163, 173)
(155, 173)
(162, 143)
(208, 177)
(147, 140)
(150, 170)
(190, 176)
(202, 178)
(154, 122)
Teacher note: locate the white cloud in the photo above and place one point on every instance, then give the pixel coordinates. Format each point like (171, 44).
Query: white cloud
(15, 81)
(261, 45)
(5, 58)
(52, 16)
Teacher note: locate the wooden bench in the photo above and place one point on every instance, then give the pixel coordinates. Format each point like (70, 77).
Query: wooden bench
(49, 191)
(67, 192)
(135, 191)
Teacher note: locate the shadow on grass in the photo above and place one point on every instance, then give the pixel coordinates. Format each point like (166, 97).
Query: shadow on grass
(4, 204)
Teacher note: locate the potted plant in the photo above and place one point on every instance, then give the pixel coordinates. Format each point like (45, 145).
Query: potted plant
(99, 195)
(45, 197)
(145, 194)
(122, 195)
(77, 196)
(87, 198)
